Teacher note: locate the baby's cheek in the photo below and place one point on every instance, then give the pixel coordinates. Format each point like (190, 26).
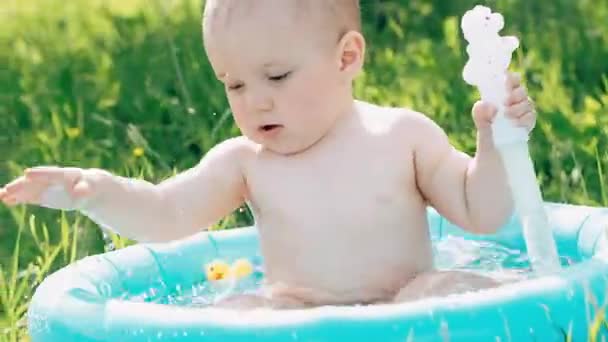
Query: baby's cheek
(318, 93)
(238, 112)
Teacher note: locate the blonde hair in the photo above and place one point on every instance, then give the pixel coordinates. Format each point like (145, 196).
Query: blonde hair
(342, 15)
(345, 15)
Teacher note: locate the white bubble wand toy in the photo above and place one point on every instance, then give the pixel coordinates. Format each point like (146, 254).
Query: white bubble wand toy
(489, 58)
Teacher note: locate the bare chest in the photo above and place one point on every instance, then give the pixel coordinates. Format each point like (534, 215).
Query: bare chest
(355, 190)
(358, 213)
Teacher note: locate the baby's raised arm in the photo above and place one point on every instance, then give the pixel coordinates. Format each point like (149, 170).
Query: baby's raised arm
(175, 208)
(472, 193)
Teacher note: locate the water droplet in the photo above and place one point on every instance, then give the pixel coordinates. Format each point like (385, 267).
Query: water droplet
(110, 247)
(105, 290)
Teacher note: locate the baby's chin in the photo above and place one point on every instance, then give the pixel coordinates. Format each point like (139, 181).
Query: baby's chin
(284, 149)
(284, 145)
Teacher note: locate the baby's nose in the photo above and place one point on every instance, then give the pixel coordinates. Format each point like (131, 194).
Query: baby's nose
(261, 102)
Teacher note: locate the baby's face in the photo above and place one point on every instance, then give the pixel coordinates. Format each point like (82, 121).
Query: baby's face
(282, 75)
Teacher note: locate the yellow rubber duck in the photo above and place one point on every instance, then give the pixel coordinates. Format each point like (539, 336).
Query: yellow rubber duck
(220, 270)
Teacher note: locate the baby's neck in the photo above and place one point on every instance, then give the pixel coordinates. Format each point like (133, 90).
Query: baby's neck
(345, 118)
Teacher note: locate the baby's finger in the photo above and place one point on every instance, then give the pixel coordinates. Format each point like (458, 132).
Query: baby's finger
(3, 194)
(13, 188)
(483, 114)
(517, 95)
(48, 173)
(484, 110)
(527, 120)
(81, 189)
(513, 80)
(54, 174)
(517, 110)
(10, 201)
(23, 192)
(15, 185)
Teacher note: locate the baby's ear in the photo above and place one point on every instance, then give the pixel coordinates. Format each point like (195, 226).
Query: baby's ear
(351, 53)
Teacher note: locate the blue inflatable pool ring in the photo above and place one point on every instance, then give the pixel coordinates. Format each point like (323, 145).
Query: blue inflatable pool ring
(85, 301)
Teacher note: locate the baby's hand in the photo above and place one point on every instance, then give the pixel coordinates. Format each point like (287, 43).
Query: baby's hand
(52, 187)
(518, 106)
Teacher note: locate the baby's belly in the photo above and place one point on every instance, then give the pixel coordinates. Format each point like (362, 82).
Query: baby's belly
(362, 250)
(361, 271)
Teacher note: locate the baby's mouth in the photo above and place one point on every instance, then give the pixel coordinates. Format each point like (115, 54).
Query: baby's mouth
(269, 128)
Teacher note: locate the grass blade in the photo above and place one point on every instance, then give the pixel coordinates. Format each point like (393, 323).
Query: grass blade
(601, 177)
(74, 247)
(15, 265)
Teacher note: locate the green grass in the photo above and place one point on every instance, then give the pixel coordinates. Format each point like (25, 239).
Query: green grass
(125, 86)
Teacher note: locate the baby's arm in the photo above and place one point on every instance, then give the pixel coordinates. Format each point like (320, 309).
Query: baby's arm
(472, 193)
(178, 206)
(175, 208)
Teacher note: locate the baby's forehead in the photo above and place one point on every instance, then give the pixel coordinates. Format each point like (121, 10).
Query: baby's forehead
(221, 14)
(327, 14)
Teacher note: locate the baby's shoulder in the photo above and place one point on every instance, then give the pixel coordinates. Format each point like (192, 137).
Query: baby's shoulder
(401, 121)
(235, 150)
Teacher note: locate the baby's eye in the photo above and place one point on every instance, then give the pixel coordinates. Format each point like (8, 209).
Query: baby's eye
(279, 77)
(235, 86)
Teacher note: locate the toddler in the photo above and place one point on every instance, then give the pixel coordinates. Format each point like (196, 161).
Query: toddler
(338, 187)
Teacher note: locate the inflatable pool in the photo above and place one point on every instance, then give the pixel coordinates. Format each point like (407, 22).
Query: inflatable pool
(86, 300)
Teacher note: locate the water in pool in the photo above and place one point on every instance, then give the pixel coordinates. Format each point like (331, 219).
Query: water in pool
(450, 253)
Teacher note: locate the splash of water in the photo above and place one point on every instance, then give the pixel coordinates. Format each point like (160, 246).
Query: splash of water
(450, 253)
